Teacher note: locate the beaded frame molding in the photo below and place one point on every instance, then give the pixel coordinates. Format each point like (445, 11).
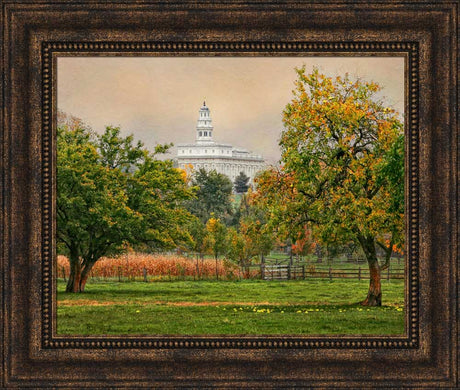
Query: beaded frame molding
(52, 50)
(36, 32)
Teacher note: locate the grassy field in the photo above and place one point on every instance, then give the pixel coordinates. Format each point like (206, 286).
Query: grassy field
(229, 307)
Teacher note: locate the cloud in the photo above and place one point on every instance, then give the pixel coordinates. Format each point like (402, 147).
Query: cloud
(157, 98)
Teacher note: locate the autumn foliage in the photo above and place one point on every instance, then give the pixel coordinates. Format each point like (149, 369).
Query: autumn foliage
(342, 173)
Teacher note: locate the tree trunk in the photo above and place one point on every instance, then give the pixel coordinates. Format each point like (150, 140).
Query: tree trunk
(319, 254)
(374, 294)
(246, 268)
(73, 284)
(262, 267)
(197, 266)
(202, 264)
(85, 275)
(217, 270)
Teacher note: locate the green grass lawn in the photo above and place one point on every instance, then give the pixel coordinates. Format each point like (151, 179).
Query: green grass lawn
(251, 307)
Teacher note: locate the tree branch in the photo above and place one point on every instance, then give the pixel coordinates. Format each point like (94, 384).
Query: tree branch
(60, 236)
(388, 250)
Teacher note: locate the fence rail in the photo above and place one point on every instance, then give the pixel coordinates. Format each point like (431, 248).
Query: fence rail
(288, 272)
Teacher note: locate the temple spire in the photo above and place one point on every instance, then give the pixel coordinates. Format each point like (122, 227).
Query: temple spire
(204, 125)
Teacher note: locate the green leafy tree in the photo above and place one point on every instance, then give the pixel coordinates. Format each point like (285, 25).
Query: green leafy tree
(342, 173)
(240, 249)
(254, 237)
(213, 195)
(241, 208)
(118, 152)
(254, 223)
(241, 183)
(156, 191)
(110, 194)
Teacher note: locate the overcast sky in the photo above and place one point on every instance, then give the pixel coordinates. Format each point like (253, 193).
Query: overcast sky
(158, 98)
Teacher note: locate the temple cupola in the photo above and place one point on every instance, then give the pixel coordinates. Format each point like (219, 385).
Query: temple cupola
(204, 126)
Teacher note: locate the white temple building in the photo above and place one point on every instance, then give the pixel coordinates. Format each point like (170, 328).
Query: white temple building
(210, 155)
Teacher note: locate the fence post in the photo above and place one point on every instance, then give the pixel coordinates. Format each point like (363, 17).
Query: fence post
(330, 273)
(289, 272)
(262, 271)
(359, 273)
(388, 274)
(119, 274)
(303, 272)
(145, 274)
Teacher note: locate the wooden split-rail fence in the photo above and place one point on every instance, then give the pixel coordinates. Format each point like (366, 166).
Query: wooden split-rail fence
(290, 272)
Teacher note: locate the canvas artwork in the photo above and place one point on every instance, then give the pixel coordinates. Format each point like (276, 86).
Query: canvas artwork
(230, 195)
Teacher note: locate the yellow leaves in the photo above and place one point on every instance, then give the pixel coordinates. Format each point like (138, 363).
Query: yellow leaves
(333, 149)
(374, 87)
(212, 224)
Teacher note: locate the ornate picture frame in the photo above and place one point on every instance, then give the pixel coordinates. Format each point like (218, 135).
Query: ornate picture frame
(36, 33)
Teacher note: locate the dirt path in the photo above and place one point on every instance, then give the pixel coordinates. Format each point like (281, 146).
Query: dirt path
(90, 302)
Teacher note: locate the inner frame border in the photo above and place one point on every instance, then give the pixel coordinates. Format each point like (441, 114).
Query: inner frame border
(48, 308)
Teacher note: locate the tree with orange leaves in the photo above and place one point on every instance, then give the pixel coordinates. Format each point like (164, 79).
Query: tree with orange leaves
(216, 239)
(343, 169)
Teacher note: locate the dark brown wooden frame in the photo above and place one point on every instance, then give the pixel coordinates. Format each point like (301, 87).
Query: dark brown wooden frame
(34, 32)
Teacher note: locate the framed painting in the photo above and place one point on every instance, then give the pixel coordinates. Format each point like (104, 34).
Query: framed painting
(225, 195)
(224, 238)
